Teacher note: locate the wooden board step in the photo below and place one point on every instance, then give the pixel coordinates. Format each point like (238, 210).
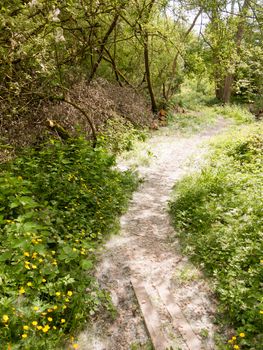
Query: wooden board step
(151, 318)
(179, 321)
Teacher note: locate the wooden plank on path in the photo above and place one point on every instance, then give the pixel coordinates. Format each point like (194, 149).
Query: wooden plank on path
(150, 315)
(179, 321)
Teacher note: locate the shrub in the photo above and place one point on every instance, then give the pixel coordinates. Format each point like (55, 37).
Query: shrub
(57, 207)
(218, 216)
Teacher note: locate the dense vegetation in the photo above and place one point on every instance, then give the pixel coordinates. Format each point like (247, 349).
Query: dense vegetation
(218, 216)
(61, 59)
(57, 207)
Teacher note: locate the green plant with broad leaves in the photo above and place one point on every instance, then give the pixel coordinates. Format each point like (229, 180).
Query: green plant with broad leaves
(57, 206)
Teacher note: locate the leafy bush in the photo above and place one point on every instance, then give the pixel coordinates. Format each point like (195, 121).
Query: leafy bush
(119, 135)
(218, 216)
(51, 222)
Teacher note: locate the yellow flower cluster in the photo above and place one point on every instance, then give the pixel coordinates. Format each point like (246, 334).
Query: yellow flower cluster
(46, 328)
(74, 345)
(233, 340)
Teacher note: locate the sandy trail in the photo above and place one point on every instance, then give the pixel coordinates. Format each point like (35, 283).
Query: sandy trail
(148, 253)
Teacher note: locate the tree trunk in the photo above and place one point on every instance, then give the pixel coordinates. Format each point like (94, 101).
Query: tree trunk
(147, 71)
(103, 43)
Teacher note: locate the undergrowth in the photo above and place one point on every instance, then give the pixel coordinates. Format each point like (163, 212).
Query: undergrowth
(119, 136)
(192, 121)
(218, 216)
(194, 94)
(57, 206)
(202, 109)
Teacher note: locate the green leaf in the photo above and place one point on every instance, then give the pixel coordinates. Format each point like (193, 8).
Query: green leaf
(86, 264)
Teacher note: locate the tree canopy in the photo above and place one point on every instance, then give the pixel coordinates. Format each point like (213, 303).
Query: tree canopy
(151, 45)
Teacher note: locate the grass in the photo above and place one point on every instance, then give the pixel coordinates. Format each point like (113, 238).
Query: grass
(218, 216)
(192, 121)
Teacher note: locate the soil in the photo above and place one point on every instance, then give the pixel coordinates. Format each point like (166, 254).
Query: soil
(147, 252)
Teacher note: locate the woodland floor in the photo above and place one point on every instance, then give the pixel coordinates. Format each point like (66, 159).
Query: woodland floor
(143, 268)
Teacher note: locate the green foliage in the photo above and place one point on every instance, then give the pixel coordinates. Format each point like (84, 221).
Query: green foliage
(57, 207)
(192, 122)
(218, 216)
(237, 113)
(194, 94)
(118, 136)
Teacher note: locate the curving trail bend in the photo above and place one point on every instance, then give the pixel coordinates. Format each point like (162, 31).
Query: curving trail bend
(158, 293)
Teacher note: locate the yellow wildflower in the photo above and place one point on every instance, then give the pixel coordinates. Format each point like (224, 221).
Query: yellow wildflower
(36, 308)
(49, 310)
(234, 338)
(64, 306)
(43, 313)
(242, 335)
(50, 319)
(53, 252)
(261, 312)
(34, 266)
(44, 280)
(55, 307)
(5, 318)
(74, 249)
(25, 328)
(67, 300)
(34, 255)
(29, 284)
(24, 336)
(54, 327)
(230, 341)
(63, 320)
(75, 346)
(236, 347)
(39, 328)
(39, 240)
(58, 294)
(22, 290)
(40, 260)
(54, 262)
(46, 328)
(26, 254)
(70, 293)
(34, 323)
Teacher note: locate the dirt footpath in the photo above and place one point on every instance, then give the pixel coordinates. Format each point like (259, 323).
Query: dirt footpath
(155, 289)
